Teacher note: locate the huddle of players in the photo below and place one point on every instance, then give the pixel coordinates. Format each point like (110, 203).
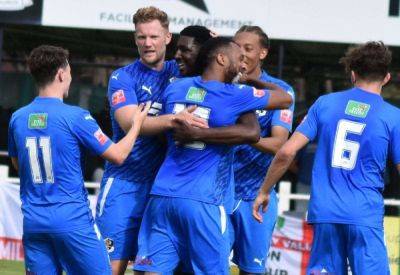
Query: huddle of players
(164, 209)
(185, 219)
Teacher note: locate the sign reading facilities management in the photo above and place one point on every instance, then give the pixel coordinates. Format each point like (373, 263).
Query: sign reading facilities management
(341, 21)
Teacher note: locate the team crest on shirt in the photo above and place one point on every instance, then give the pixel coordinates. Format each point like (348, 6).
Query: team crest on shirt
(109, 244)
(196, 94)
(258, 93)
(37, 121)
(286, 116)
(357, 109)
(118, 97)
(100, 136)
(261, 112)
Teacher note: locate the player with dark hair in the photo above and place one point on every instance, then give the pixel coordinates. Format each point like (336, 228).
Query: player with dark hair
(125, 188)
(185, 219)
(252, 240)
(46, 143)
(188, 46)
(355, 130)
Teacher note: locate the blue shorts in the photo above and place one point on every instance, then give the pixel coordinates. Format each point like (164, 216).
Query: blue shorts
(80, 251)
(335, 244)
(182, 230)
(251, 239)
(119, 212)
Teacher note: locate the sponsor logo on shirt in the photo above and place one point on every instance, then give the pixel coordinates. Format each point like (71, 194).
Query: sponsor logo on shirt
(37, 121)
(258, 261)
(118, 97)
(147, 89)
(109, 244)
(196, 94)
(286, 116)
(172, 79)
(357, 109)
(100, 136)
(261, 112)
(89, 117)
(258, 93)
(115, 76)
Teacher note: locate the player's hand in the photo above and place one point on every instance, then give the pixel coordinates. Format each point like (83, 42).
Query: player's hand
(213, 34)
(189, 116)
(262, 200)
(183, 132)
(140, 114)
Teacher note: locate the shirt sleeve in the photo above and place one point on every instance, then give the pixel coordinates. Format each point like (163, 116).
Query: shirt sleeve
(12, 148)
(89, 133)
(309, 125)
(121, 90)
(395, 144)
(247, 99)
(284, 117)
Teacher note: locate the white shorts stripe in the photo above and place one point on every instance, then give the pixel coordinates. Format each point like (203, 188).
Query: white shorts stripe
(105, 193)
(223, 219)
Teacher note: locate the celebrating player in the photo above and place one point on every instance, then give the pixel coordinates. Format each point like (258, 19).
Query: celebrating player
(185, 219)
(251, 239)
(46, 141)
(125, 188)
(355, 130)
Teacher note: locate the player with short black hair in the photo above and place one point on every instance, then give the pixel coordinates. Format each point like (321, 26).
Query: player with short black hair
(355, 130)
(185, 219)
(188, 46)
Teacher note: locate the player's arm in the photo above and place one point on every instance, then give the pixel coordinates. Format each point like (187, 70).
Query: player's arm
(118, 152)
(159, 124)
(272, 144)
(14, 162)
(151, 125)
(278, 167)
(12, 147)
(246, 130)
(305, 132)
(281, 123)
(278, 98)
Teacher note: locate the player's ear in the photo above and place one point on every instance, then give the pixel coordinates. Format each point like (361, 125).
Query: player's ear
(221, 59)
(263, 53)
(353, 77)
(168, 38)
(60, 75)
(386, 79)
(134, 38)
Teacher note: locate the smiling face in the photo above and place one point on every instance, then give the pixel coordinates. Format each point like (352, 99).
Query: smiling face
(186, 54)
(152, 39)
(254, 52)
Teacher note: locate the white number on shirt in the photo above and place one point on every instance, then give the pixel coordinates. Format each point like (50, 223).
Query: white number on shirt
(199, 112)
(44, 144)
(345, 151)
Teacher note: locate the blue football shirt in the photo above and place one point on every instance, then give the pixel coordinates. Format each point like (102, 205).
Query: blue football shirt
(200, 171)
(250, 165)
(49, 137)
(132, 85)
(355, 131)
